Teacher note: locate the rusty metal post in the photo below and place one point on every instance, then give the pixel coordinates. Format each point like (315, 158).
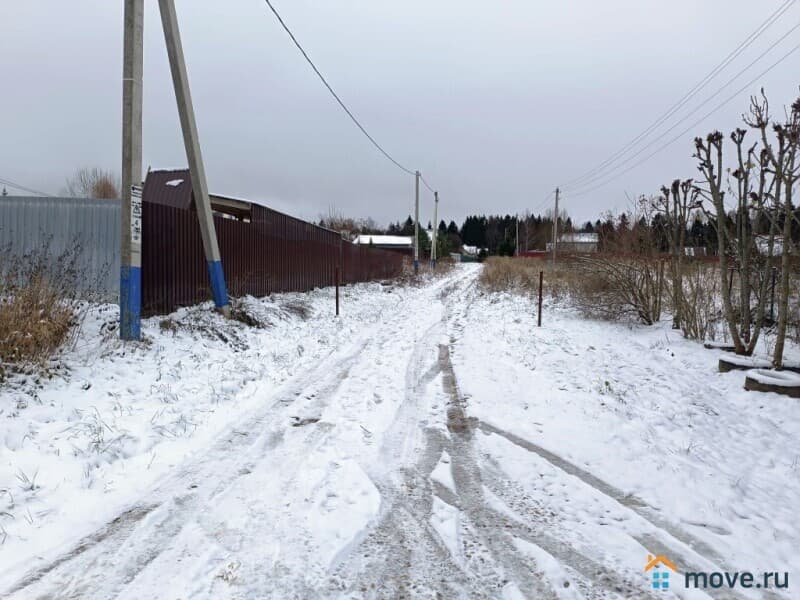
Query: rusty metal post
(337, 291)
(541, 278)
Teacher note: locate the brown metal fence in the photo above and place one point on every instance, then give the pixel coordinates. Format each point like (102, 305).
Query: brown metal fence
(271, 253)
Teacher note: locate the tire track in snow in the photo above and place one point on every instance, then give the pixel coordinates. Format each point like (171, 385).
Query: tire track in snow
(94, 566)
(593, 578)
(402, 554)
(648, 513)
(664, 529)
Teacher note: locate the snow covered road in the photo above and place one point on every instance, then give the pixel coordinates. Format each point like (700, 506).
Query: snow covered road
(408, 461)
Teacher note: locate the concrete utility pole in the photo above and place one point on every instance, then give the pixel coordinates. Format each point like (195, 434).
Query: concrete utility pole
(555, 229)
(435, 233)
(130, 288)
(180, 80)
(416, 226)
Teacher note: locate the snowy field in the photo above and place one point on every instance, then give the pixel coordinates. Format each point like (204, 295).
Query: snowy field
(432, 442)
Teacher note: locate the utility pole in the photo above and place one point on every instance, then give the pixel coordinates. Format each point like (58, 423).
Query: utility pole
(130, 281)
(435, 235)
(516, 239)
(180, 80)
(555, 229)
(416, 226)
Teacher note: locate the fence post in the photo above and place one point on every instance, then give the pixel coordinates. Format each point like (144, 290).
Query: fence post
(337, 291)
(541, 278)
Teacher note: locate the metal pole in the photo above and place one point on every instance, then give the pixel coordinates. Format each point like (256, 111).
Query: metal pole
(416, 226)
(555, 229)
(337, 291)
(130, 280)
(180, 80)
(541, 278)
(435, 235)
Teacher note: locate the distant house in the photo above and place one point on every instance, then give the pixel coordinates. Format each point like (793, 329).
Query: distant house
(695, 251)
(397, 243)
(762, 245)
(472, 250)
(578, 243)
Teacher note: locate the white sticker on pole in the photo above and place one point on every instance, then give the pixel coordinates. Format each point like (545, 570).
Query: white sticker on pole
(136, 215)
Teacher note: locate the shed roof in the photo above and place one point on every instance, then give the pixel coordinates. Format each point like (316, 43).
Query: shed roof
(171, 187)
(579, 238)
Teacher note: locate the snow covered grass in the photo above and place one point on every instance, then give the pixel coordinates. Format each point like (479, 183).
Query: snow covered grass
(75, 449)
(643, 410)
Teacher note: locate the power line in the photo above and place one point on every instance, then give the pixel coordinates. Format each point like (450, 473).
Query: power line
(692, 126)
(641, 150)
(690, 94)
(17, 186)
(334, 94)
(425, 183)
(544, 202)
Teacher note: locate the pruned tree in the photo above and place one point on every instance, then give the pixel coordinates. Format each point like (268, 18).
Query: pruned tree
(708, 153)
(675, 204)
(780, 157)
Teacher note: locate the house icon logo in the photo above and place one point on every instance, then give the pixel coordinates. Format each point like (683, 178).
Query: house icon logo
(659, 568)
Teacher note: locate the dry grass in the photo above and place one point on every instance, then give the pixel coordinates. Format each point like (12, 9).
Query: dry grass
(34, 322)
(522, 276)
(43, 300)
(603, 287)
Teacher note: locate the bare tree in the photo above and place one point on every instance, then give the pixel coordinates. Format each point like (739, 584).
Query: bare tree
(782, 159)
(93, 182)
(708, 153)
(675, 203)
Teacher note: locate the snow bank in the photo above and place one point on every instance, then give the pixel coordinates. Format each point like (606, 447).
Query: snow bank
(777, 378)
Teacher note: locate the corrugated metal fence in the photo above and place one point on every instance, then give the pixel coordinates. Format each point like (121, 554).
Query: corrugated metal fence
(89, 228)
(272, 253)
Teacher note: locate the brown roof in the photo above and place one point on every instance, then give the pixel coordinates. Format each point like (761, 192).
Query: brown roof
(171, 188)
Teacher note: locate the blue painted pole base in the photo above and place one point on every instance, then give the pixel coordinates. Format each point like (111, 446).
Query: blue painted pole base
(130, 303)
(416, 267)
(218, 287)
(433, 263)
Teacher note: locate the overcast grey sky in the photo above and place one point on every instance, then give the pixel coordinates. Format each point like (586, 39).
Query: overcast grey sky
(495, 102)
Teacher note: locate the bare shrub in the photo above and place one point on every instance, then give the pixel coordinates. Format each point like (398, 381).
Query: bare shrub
(611, 287)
